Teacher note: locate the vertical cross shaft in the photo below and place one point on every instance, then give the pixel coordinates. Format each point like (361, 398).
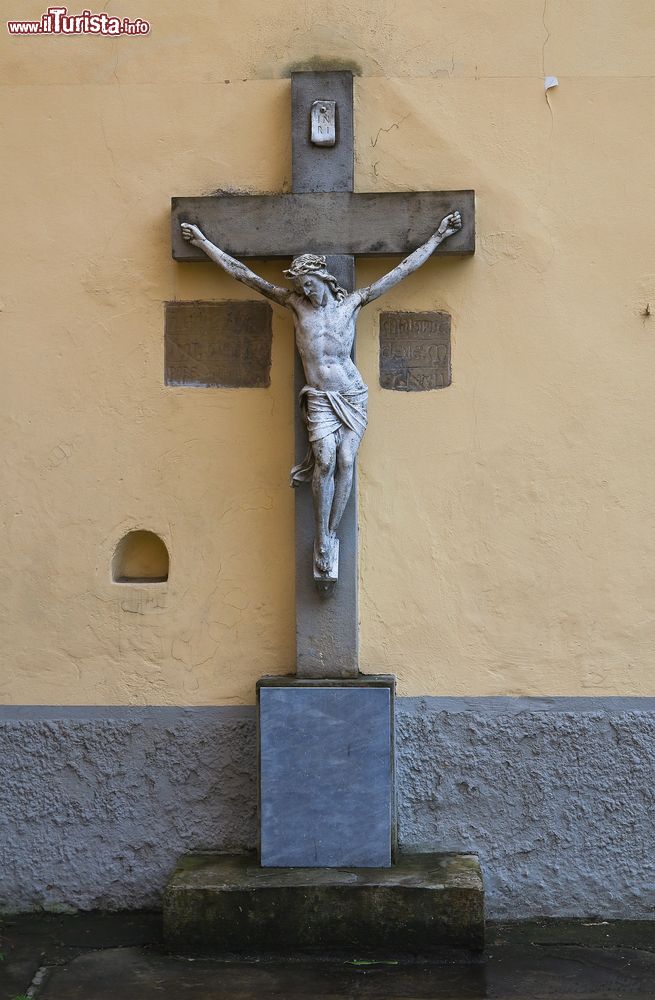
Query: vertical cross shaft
(327, 626)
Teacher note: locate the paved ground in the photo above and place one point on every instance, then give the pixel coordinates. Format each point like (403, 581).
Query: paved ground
(105, 957)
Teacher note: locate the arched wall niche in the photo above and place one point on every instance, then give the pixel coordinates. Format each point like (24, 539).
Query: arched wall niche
(140, 557)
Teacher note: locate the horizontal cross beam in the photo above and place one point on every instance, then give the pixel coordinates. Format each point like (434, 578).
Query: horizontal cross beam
(334, 222)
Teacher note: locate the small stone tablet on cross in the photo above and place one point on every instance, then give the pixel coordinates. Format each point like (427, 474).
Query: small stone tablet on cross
(334, 399)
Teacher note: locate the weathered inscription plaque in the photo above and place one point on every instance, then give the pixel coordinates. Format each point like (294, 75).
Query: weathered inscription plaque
(218, 344)
(414, 351)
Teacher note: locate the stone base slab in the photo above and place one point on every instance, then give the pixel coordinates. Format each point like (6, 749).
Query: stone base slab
(227, 904)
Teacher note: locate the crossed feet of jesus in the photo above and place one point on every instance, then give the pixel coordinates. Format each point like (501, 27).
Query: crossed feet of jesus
(326, 559)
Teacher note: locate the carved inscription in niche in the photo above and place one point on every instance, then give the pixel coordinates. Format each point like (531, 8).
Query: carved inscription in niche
(218, 344)
(323, 119)
(414, 351)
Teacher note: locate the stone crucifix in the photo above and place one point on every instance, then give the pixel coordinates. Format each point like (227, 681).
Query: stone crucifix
(334, 399)
(323, 225)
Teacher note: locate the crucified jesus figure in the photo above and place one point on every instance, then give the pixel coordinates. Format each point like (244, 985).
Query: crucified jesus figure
(334, 399)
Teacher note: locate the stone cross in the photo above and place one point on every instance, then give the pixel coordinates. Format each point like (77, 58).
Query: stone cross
(325, 216)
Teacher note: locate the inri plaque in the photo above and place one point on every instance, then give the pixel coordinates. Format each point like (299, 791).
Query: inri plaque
(218, 344)
(414, 351)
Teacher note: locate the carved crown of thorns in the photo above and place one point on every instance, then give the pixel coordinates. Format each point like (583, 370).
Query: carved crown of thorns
(308, 263)
(312, 263)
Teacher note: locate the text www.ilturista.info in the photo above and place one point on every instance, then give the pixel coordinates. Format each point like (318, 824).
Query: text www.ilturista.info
(57, 21)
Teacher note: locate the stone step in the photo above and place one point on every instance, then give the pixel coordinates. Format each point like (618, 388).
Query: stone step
(227, 904)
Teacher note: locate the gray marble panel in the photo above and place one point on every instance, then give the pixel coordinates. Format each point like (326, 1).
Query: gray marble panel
(325, 776)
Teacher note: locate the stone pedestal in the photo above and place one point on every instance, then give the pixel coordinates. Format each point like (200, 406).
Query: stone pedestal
(222, 905)
(326, 772)
(326, 883)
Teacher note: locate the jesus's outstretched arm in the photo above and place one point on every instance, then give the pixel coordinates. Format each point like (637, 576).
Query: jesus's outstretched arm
(450, 225)
(234, 267)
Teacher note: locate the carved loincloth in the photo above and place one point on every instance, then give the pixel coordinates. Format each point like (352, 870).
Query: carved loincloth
(327, 413)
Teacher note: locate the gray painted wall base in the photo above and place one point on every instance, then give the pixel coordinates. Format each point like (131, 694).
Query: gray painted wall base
(556, 796)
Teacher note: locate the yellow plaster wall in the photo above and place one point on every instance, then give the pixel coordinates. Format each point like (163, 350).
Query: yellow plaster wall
(506, 522)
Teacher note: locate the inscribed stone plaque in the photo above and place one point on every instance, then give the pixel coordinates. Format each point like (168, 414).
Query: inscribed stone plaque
(220, 344)
(326, 775)
(414, 351)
